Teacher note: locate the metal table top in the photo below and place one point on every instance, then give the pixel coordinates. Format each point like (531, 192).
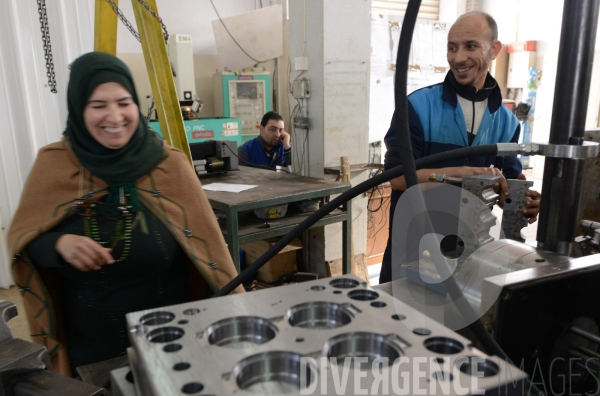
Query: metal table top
(272, 188)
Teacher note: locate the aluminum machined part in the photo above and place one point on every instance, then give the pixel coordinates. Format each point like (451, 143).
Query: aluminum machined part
(122, 382)
(586, 150)
(495, 259)
(513, 219)
(25, 368)
(258, 343)
(8, 310)
(512, 149)
(46, 383)
(476, 217)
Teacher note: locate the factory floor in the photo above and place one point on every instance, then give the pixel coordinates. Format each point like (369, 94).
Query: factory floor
(20, 329)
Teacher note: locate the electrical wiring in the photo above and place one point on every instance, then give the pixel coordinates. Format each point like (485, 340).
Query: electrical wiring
(233, 38)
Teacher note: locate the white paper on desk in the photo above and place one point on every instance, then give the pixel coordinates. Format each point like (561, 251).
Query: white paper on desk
(227, 187)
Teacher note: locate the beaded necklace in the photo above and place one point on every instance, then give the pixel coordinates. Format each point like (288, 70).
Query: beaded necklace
(123, 227)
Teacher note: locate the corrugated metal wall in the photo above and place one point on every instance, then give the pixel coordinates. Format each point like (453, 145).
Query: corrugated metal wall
(31, 115)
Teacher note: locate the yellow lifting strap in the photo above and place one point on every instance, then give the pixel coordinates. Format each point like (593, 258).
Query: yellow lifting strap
(158, 66)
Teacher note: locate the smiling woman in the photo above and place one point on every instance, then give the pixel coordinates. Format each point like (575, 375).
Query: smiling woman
(103, 227)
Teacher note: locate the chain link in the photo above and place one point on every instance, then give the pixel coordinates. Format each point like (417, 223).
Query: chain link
(47, 47)
(130, 27)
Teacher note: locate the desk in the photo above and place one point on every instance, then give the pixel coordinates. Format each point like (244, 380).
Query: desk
(274, 188)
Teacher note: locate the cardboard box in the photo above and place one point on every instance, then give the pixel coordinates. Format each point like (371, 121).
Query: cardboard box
(284, 263)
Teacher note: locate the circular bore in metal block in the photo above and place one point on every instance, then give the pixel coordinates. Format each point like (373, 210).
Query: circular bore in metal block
(165, 334)
(344, 283)
(363, 295)
(337, 292)
(398, 317)
(361, 345)
(378, 304)
(443, 345)
(191, 311)
(241, 332)
(422, 331)
(317, 288)
(274, 372)
(192, 387)
(181, 366)
(157, 318)
(172, 347)
(319, 315)
(477, 366)
(442, 376)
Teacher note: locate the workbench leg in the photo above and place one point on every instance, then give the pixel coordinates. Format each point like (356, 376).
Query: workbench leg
(232, 238)
(347, 239)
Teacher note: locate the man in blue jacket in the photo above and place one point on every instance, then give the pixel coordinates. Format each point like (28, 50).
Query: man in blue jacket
(271, 148)
(465, 110)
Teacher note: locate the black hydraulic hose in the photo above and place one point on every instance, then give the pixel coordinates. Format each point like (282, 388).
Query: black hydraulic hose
(401, 112)
(450, 284)
(426, 162)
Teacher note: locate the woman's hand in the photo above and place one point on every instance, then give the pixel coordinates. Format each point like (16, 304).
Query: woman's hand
(83, 253)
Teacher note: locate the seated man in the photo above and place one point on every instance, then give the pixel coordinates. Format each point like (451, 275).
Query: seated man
(271, 148)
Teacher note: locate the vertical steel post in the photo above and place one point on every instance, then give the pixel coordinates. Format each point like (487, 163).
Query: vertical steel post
(558, 217)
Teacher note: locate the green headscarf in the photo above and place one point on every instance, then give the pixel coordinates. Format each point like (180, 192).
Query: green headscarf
(118, 167)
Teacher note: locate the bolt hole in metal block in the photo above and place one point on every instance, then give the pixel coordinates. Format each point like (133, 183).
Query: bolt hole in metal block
(443, 345)
(344, 283)
(362, 345)
(363, 295)
(319, 315)
(172, 347)
(241, 332)
(422, 331)
(273, 373)
(165, 334)
(157, 318)
(317, 288)
(191, 311)
(477, 366)
(192, 387)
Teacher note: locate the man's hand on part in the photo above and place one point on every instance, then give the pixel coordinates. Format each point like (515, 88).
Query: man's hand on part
(465, 171)
(83, 253)
(533, 205)
(285, 140)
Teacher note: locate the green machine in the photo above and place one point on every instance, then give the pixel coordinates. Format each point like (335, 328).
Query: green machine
(246, 95)
(215, 128)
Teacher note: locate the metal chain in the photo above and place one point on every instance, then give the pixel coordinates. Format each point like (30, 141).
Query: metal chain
(47, 47)
(155, 15)
(130, 27)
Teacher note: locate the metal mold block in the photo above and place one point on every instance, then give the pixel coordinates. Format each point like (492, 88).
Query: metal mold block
(190, 358)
